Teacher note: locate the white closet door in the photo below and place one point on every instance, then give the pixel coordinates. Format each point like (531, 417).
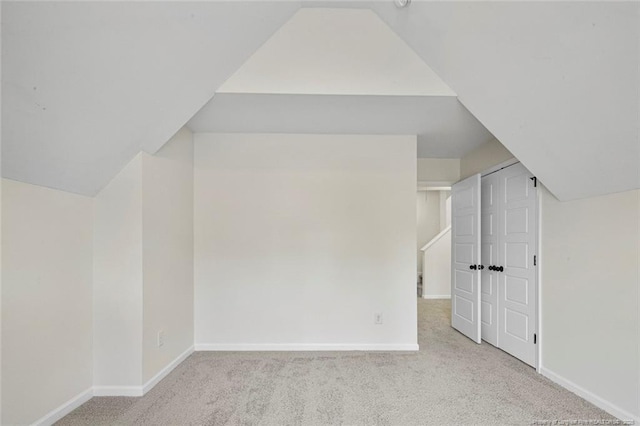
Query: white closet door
(517, 282)
(489, 278)
(465, 256)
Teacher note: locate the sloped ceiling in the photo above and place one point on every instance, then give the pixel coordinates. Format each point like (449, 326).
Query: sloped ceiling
(556, 82)
(445, 128)
(341, 71)
(87, 85)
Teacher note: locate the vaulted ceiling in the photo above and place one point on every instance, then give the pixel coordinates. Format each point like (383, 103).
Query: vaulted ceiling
(342, 71)
(558, 83)
(85, 86)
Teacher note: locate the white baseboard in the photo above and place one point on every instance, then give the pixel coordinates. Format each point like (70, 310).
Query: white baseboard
(55, 415)
(141, 390)
(599, 402)
(436, 296)
(117, 391)
(166, 370)
(270, 347)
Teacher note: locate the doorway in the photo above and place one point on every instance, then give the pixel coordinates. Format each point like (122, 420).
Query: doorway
(434, 242)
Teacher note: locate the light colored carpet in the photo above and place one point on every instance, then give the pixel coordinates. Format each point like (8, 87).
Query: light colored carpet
(451, 380)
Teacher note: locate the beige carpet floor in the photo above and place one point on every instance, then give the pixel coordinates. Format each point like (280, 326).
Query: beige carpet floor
(450, 381)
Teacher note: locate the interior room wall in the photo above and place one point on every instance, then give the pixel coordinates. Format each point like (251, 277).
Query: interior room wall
(483, 157)
(443, 170)
(428, 218)
(317, 52)
(436, 279)
(143, 269)
(117, 282)
(445, 209)
(590, 297)
(301, 239)
(167, 233)
(0, 234)
(46, 312)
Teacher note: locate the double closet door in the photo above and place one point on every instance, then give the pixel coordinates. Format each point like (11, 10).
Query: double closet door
(494, 260)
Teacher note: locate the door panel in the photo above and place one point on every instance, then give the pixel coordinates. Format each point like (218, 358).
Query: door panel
(516, 255)
(516, 290)
(517, 221)
(465, 251)
(516, 325)
(464, 226)
(516, 284)
(464, 308)
(489, 231)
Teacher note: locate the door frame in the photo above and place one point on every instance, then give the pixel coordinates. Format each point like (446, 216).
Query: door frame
(538, 274)
(539, 279)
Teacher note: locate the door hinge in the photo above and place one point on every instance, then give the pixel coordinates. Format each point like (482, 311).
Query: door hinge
(535, 260)
(535, 181)
(535, 338)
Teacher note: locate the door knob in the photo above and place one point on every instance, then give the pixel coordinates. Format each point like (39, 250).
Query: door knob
(473, 267)
(481, 267)
(491, 268)
(499, 269)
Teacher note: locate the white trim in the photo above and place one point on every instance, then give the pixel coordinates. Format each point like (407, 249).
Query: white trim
(436, 238)
(117, 391)
(142, 390)
(166, 370)
(429, 185)
(58, 413)
(268, 347)
(436, 296)
(599, 402)
(539, 276)
(509, 162)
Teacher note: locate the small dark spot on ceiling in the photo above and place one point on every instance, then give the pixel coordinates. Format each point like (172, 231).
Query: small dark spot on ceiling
(35, 87)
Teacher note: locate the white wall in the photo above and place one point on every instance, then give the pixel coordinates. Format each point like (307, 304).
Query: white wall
(167, 232)
(443, 170)
(445, 209)
(300, 239)
(0, 229)
(483, 157)
(117, 269)
(428, 218)
(46, 312)
(318, 52)
(436, 282)
(143, 268)
(590, 295)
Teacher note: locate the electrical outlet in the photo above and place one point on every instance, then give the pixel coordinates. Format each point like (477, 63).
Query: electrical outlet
(160, 338)
(377, 318)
